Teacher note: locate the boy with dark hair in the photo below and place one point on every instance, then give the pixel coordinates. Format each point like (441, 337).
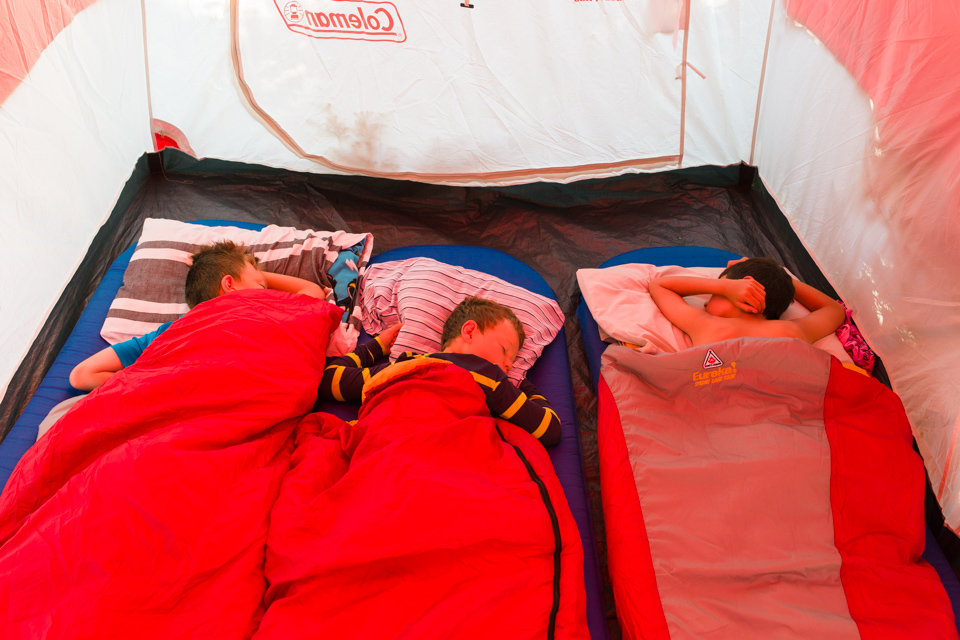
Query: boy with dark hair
(746, 300)
(217, 269)
(778, 287)
(480, 336)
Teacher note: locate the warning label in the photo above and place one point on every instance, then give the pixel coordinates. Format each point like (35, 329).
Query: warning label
(343, 19)
(712, 360)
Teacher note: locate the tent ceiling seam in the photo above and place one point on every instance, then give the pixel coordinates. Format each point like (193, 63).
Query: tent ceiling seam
(146, 75)
(683, 78)
(763, 74)
(946, 468)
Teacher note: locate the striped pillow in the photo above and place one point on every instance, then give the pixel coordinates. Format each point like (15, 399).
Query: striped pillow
(421, 293)
(153, 284)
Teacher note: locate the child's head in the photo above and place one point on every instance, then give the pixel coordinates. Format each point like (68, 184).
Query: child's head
(219, 268)
(486, 329)
(777, 284)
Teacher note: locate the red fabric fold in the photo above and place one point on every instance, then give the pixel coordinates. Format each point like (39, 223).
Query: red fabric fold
(876, 494)
(632, 575)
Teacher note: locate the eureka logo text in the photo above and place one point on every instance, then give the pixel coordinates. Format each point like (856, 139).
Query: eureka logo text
(343, 19)
(701, 378)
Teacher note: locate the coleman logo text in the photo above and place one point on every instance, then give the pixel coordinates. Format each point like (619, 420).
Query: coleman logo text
(343, 19)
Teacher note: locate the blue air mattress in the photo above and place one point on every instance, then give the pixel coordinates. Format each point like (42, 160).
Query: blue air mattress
(707, 257)
(551, 375)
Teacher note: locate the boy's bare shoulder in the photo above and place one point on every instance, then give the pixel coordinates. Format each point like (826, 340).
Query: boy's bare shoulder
(717, 329)
(781, 329)
(713, 329)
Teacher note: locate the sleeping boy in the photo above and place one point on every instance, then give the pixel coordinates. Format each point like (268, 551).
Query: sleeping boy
(746, 300)
(215, 270)
(480, 336)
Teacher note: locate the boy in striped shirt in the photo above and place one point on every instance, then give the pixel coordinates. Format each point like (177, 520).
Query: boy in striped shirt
(480, 336)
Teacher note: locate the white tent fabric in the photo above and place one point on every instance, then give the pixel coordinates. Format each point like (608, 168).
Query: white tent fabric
(70, 134)
(505, 95)
(509, 92)
(873, 199)
(466, 95)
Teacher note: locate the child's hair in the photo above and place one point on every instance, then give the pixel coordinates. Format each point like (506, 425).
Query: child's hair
(777, 283)
(210, 264)
(486, 313)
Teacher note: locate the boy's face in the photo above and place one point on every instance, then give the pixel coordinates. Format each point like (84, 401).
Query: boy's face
(498, 344)
(250, 278)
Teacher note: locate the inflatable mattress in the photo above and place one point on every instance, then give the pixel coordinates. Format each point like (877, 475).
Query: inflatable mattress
(550, 374)
(759, 488)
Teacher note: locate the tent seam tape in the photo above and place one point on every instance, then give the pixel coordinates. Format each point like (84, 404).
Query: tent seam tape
(946, 467)
(146, 73)
(763, 75)
(683, 80)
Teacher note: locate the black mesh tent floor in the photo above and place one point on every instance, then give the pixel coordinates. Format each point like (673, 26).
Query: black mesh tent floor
(556, 229)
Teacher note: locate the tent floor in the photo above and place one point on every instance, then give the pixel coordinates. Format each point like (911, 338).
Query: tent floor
(556, 229)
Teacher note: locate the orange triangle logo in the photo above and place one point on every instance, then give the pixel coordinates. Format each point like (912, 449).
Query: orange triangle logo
(712, 361)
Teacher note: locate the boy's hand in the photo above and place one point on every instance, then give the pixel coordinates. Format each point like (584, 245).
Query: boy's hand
(733, 262)
(389, 336)
(747, 295)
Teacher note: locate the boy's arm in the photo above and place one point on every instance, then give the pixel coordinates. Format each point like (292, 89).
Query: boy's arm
(826, 314)
(668, 292)
(524, 407)
(292, 284)
(95, 370)
(553, 429)
(344, 377)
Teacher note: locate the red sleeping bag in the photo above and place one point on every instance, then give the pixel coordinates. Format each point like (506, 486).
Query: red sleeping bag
(757, 488)
(144, 512)
(188, 497)
(430, 519)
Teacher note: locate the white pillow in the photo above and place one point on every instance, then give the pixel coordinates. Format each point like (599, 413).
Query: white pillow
(619, 301)
(421, 293)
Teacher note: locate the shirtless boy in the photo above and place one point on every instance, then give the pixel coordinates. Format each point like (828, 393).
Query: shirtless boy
(215, 270)
(746, 300)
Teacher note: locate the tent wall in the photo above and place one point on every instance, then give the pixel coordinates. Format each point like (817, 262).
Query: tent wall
(500, 94)
(871, 192)
(70, 133)
(54, 332)
(194, 89)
